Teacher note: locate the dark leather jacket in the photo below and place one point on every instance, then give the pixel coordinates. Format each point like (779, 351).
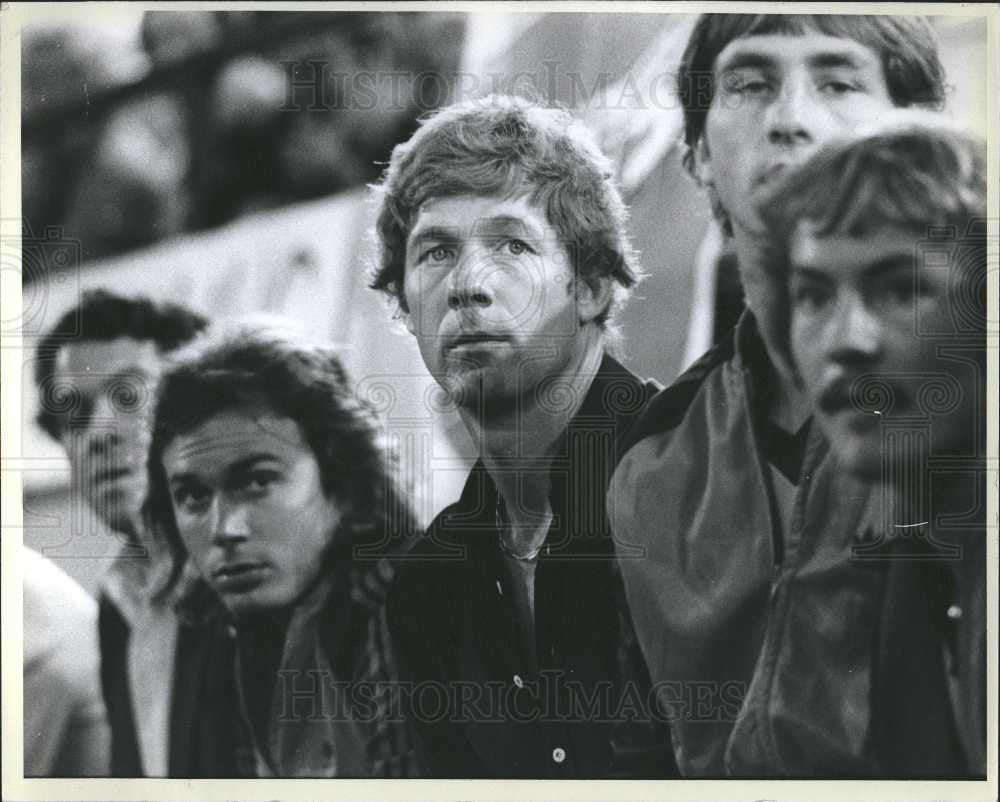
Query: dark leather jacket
(775, 651)
(481, 708)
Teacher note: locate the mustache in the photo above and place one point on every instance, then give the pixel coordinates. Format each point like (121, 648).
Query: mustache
(864, 393)
(472, 337)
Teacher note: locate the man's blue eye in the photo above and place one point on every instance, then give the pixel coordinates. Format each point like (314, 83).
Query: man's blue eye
(517, 247)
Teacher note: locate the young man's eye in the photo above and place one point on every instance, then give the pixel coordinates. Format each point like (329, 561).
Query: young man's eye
(436, 255)
(809, 296)
(742, 83)
(836, 87)
(126, 396)
(898, 291)
(258, 481)
(191, 498)
(517, 247)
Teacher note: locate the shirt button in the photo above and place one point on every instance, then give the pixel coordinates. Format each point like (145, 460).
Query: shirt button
(518, 681)
(231, 631)
(954, 612)
(558, 754)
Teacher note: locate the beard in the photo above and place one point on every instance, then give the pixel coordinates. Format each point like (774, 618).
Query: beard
(486, 393)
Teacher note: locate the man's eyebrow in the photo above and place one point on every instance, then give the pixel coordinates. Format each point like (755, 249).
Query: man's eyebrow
(809, 272)
(243, 464)
(898, 261)
(838, 58)
(433, 233)
(506, 223)
(122, 375)
(746, 59)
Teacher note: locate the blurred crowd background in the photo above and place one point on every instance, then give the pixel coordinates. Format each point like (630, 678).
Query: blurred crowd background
(220, 159)
(195, 119)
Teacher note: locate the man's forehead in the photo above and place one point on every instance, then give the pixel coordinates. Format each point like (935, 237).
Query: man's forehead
(840, 252)
(233, 435)
(785, 49)
(101, 358)
(469, 212)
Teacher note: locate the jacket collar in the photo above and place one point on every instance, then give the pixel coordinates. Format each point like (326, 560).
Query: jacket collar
(615, 397)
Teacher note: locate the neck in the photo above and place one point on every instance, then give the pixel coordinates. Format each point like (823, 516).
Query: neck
(516, 445)
(767, 298)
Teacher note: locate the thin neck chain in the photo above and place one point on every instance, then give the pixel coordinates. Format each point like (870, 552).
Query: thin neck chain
(525, 558)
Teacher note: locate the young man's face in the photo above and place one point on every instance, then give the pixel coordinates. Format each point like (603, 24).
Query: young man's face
(492, 298)
(109, 384)
(867, 323)
(250, 508)
(778, 98)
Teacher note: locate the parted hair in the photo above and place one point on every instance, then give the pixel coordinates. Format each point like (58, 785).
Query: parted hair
(906, 45)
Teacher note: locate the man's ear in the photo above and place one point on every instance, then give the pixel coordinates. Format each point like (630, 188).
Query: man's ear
(593, 296)
(408, 321)
(701, 163)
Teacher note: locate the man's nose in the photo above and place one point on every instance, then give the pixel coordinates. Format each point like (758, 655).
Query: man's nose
(856, 333)
(471, 285)
(795, 115)
(231, 523)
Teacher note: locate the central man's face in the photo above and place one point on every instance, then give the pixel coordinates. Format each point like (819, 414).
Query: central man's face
(777, 99)
(491, 296)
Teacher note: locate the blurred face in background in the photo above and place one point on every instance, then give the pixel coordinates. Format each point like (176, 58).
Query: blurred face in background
(492, 298)
(868, 323)
(250, 508)
(107, 386)
(777, 98)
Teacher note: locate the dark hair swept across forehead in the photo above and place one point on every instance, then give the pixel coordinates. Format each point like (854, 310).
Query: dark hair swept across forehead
(295, 378)
(914, 172)
(504, 146)
(103, 316)
(905, 45)
(909, 175)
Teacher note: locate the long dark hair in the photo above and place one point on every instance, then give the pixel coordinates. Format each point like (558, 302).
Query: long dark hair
(303, 381)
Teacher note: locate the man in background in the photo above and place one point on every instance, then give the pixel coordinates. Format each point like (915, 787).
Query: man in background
(889, 342)
(65, 726)
(745, 526)
(95, 372)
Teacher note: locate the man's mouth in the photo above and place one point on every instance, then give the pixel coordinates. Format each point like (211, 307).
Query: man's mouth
(841, 397)
(239, 576)
(476, 340)
(110, 475)
(771, 174)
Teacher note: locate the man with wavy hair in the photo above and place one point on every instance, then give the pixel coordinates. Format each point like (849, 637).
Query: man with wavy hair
(881, 243)
(95, 372)
(503, 243)
(745, 522)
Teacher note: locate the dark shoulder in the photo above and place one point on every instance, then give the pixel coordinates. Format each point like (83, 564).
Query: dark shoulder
(422, 574)
(667, 408)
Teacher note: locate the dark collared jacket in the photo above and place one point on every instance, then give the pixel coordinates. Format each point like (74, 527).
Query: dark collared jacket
(480, 709)
(832, 649)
